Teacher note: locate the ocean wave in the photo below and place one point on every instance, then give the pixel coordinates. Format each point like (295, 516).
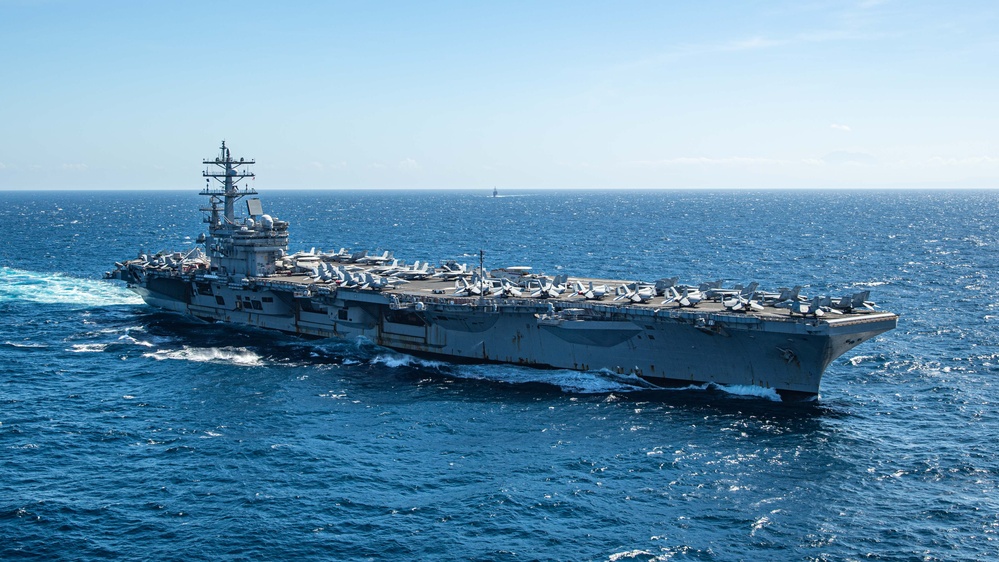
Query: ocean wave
(17, 285)
(110, 340)
(750, 390)
(857, 360)
(862, 359)
(577, 382)
(396, 360)
(570, 381)
(26, 345)
(631, 554)
(866, 284)
(88, 347)
(129, 339)
(227, 355)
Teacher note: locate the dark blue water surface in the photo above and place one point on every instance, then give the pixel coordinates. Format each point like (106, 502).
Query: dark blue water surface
(130, 433)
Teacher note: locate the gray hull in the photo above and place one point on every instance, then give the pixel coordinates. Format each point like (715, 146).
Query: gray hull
(662, 345)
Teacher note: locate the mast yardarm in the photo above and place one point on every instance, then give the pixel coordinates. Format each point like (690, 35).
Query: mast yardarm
(228, 172)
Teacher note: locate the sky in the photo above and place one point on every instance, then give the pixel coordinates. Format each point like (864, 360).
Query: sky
(515, 95)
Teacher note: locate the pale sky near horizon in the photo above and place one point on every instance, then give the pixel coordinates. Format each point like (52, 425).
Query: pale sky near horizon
(784, 94)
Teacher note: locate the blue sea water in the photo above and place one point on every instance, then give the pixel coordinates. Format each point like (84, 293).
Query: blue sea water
(126, 433)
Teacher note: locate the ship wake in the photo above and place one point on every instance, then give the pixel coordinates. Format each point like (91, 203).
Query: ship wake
(18, 285)
(239, 356)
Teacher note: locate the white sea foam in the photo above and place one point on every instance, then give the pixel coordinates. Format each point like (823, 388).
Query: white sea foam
(88, 347)
(751, 390)
(398, 360)
(866, 284)
(857, 360)
(56, 288)
(632, 554)
(735, 389)
(228, 355)
(129, 339)
(581, 382)
(26, 345)
(759, 524)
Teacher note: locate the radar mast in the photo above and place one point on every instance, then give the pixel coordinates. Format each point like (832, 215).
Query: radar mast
(228, 172)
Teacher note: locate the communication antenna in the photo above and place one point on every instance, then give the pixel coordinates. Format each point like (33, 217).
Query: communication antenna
(482, 274)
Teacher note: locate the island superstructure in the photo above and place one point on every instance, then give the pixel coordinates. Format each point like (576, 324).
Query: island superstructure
(663, 331)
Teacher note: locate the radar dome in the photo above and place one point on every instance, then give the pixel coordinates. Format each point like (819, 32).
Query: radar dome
(267, 221)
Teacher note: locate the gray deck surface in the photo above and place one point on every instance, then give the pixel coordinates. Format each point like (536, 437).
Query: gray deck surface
(445, 289)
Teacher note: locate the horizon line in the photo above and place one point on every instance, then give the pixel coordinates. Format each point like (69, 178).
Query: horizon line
(489, 189)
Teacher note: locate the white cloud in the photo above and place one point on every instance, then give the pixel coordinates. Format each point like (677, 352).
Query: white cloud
(74, 167)
(322, 166)
(409, 164)
(688, 50)
(966, 161)
(847, 33)
(575, 165)
(705, 161)
(751, 43)
(840, 127)
(849, 158)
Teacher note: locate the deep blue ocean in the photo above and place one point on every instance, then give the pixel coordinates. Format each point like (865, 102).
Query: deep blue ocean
(127, 433)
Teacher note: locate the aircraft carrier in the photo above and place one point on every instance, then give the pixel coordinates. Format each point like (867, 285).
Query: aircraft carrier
(663, 331)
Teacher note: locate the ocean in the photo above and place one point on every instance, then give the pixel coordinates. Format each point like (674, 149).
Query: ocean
(127, 433)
